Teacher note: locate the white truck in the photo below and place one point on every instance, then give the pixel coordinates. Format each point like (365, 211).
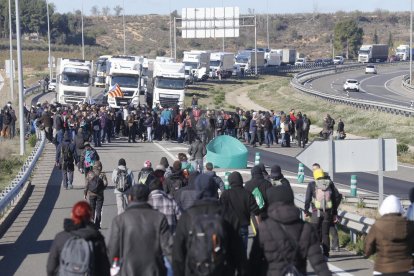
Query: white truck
(273, 58)
(247, 60)
(403, 52)
(197, 65)
(168, 84)
(100, 71)
(126, 72)
(221, 62)
(73, 80)
(288, 56)
(373, 53)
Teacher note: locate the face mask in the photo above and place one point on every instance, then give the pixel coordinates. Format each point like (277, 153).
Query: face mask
(8, 105)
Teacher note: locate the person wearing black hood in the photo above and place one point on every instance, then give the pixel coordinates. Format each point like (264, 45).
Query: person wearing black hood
(186, 196)
(286, 239)
(239, 201)
(188, 250)
(175, 181)
(277, 178)
(79, 225)
(166, 165)
(258, 185)
(66, 156)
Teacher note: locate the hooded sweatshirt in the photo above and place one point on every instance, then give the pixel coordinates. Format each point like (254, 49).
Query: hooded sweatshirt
(238, 200)
(258, 181)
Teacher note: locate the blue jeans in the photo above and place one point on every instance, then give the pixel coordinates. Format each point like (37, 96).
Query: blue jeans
(168, 266)
(253, 138)
(97, 138)
(268, 137)
(244, 234)
(246, 136)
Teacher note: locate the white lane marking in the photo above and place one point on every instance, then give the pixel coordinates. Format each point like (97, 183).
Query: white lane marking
(338, 271)
(176, 148)
(173, 158)
(392, 90)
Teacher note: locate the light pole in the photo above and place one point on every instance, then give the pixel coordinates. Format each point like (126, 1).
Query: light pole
(11, 68)
(411, 43)
(20, 71)
(171, 46)
(175, 40)
(48, 38)
(224, 22)
(123, 23)
(267, 24)
(83, 39)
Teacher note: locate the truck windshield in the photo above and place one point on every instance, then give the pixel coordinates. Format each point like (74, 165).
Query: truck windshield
(364, 52)
(193, 65)
(101, 66)
(125, 81)
(215, 63)
(242, 59)
(169, 83)
(400, 51)
(75, 77)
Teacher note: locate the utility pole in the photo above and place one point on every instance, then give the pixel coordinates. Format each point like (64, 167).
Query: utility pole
(123, 23)
(224, 22)
(411, 43)
(175, 40)
(21, 85)
(48, 38)
(267, 24)
(83, 40)
(11, 64)
(171, 46)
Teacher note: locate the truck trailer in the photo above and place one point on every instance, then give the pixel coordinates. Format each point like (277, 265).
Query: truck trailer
(222, 63)
(373, 53)
(197, 65)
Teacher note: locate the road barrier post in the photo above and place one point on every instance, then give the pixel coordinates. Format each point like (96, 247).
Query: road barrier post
(353, 185)
(301, 173)
(257, 159)
(226, 181)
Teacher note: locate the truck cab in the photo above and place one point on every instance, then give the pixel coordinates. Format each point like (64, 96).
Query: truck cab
(168, 84)
(197, 65)
(221, 63)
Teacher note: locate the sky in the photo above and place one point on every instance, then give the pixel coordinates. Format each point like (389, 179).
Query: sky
(138, 7)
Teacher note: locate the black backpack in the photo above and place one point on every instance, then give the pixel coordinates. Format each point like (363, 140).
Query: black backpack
(67, 154)
(145, 177)
(207, 245)
(305, 124)
(175, 184)
(220, 121)
(121, 183)
(94, 184)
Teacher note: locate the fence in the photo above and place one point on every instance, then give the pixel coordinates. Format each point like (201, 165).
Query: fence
(406, 82)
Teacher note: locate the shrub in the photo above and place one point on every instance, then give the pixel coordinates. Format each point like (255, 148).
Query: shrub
(402, 149)
(32, 140)
(7, 165)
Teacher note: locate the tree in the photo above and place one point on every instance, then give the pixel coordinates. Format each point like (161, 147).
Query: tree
(106, 11)
(348, 36)
(95, 10)
(375, 39)
(118, 10)
(390, 41)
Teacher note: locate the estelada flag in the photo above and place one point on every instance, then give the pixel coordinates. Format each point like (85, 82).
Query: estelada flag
(115, 91)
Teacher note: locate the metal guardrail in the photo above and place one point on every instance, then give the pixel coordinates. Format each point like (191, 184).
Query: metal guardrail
(33, 89)
(11, 192)
(355, 223)
(301, 78)
(406, 82)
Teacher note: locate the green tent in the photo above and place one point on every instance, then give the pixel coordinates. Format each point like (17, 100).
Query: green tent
(227, 152)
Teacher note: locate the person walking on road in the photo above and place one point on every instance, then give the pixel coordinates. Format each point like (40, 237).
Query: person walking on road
(88, 158)
(300, 131)
(286, 241)
(277, 178)
(324, 199)
(257, 186)
(79, 227)
(306, 128)
(146, 175)
(96, 183)
(140, 246)
(391, 238)
(209, 171)
(66, 157)
(197, 151)
(123, 180)
(341, 130)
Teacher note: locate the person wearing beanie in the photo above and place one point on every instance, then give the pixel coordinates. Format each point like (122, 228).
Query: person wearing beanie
(123, 179)
(284, 223)
(391, 239)
(277, 178)
(160, 201)
(166, 165)
(197, 151)
(208, 209)
(239, 201)
(323, 198)
(66, 157)
(175, 180)
(88, 157)
(146, 175)
(142, 232)
(186, 196)
(79, 225)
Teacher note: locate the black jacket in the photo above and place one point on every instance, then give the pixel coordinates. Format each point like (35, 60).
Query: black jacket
(60, 158)
(239, 201)
(88, 232)
(258, 180)
(277, 248)
(310, 194)
(170, 181)
(140, 237)
(236, 258)
(197, 150)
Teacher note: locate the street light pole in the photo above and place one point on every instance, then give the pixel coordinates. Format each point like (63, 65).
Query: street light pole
(175, 40)
(224, 22)
(411, 43)
(48, 38)
(267, 24)
(11, 68)
(123, 23)
(20, 71)
(83, 39)
(171, 46)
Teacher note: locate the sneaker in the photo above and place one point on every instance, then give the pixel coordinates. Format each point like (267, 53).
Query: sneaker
(70, 187)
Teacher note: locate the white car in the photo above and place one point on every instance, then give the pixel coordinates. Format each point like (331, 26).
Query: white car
(351, 84)
(300, 61)
(338, 60)
(52, 85)
(370, 69)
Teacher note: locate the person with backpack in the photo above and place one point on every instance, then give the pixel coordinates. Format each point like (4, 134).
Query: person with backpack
(286, 241)
(209, 171)
(66, 157)
(146, 175)
(206, 240)
(239, 201)
(175, 181)
(299, 125)
(123, 179)
(197, 151)
(277, 178)
(140, 237)
(88, 158)
(276, 127)
(285, 131)
(96, 183)
(187, 195)
(257, 186)
(324, 199)
(185, 165)
(80, 248)
(201, 128)
(219, 124)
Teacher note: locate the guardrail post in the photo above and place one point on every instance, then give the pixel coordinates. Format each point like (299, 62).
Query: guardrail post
(301, 173)
(257, 159)
(353, 191)
(226, 181)
(353, 236)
